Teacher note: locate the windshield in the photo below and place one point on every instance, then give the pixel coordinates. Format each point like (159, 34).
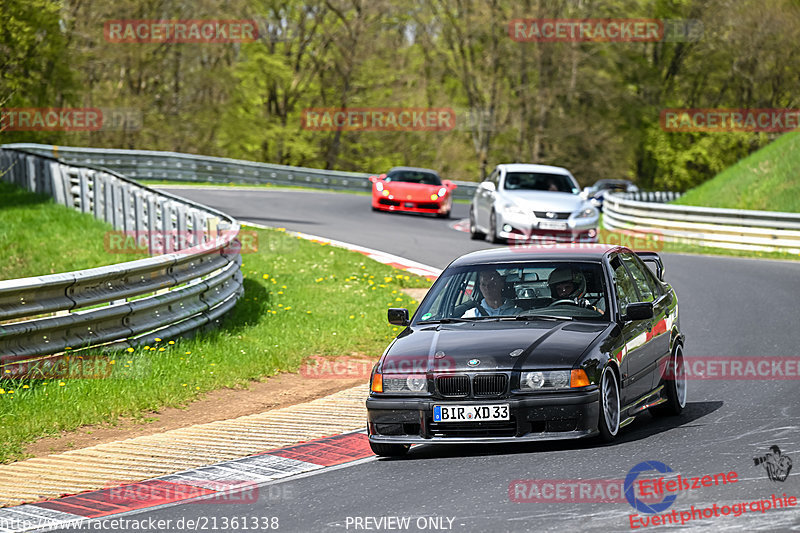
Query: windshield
(414, 176)
(537, 181)
(567, 290)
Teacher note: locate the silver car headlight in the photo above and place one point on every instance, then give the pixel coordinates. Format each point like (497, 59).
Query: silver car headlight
(587, 213)
(513, 209)
(405, 383)
(544, 380)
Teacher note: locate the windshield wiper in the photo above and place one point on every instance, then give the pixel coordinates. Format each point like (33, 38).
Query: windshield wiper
(543, 317)
(445, 321)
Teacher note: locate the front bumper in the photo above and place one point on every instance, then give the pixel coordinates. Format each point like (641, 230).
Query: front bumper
(533, 418)
(527, 228)
(431, 207)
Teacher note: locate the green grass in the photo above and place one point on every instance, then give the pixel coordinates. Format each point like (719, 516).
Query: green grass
(38, 237)
(301, 299)
(767, 180)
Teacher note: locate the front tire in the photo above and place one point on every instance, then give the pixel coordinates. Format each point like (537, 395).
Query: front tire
(474, 234)
(493, 230)
(675, 386)
(389, 450)
(609, 416)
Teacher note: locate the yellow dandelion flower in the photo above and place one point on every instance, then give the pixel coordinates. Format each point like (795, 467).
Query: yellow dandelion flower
(158, 340)
(287, 308)
(352, 316)
(265, 276)
(147, 347)
(61, 383)
(2, 391)
(113, 361)
(25, 387)
(171, 342)
(188, 353)
(161, 349)
(183, 385)
(129, 350)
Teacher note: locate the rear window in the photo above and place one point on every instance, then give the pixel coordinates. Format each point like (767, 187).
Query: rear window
(414, 176)
(537, 181)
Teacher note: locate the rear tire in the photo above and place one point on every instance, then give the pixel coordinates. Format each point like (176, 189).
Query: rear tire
(389, 450)
(609, 415)
(446, 214)
(675, 386)
(474, 234)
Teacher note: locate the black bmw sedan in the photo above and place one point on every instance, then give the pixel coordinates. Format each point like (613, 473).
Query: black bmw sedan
(514, 344)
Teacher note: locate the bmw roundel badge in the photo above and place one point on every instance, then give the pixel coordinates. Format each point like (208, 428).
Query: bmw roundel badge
(474, 362)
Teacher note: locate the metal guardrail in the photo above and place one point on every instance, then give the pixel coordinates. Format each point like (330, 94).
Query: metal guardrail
(734, 229)
(154, 165)
(126, 304)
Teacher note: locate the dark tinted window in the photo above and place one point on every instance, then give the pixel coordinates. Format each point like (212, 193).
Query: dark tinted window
(536, 181)
(414, 176)
(644, 281)
(624, 285)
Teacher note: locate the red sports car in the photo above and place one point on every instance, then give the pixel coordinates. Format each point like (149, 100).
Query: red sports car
(413, 190)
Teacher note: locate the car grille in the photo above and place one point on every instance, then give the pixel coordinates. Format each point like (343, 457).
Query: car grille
(386, 201)
(453, 385)
(427, 205)
(480, 429)
(484, 385)
(559, 216)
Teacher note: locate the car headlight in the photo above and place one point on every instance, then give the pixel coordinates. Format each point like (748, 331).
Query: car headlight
(544, 379)
(405, 384)
(442, 191)
(379, 186)
(587, 213)
(513, 209)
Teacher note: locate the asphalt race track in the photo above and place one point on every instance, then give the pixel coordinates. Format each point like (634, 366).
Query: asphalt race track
(729, 307)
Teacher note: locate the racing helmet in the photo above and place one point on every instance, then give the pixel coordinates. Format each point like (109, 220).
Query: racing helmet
(564, 275)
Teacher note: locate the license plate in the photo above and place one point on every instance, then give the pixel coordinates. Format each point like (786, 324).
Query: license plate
(544, 224)
(409, 204)
(470, 413)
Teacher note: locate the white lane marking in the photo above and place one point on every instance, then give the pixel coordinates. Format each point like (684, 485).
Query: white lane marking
(377, 255)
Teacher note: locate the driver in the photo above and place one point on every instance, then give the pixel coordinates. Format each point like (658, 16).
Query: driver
(491, 283)
(568, 284)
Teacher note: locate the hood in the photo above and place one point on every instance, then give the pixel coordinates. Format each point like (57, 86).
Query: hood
(544, 345)
(560, 202)
(418, 192)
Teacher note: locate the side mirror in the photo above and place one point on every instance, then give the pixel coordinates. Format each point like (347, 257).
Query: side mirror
(638, 311)
(373, 179)
(399, 316)
(449, 184)
(489, 186)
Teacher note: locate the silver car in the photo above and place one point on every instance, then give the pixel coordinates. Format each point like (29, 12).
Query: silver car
(531, 203)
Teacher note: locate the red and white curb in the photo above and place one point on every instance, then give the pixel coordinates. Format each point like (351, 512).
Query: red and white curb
(234, 481)
(386, 258)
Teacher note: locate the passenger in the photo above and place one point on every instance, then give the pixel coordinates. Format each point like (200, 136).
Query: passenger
(491, 284)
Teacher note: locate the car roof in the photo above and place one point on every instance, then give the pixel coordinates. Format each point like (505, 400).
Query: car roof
(414, 169)
(614, 181)
(530, 167)
(554, 252)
